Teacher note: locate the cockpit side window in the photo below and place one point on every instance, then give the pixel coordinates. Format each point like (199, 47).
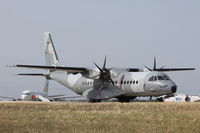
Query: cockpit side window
(151, 79)
(166, 77)
(27, 94)
(155, 78)
(161, 78)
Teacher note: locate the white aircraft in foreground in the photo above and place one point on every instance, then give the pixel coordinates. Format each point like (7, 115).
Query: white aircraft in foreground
(180, 98)
(98, 84)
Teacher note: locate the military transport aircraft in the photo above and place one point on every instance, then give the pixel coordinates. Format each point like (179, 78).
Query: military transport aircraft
(102, 83)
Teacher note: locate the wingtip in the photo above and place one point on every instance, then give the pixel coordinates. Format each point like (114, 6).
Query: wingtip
(11, 65)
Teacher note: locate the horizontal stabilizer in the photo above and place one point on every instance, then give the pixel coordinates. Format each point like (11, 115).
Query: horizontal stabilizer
(44, 99)
(103, 93)
(63, 96)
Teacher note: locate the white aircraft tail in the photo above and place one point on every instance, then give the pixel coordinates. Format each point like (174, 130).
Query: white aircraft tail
(51, 57)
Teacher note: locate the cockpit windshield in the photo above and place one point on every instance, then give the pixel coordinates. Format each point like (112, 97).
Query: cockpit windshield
(26, 93)
(166, 77)
(159, 77)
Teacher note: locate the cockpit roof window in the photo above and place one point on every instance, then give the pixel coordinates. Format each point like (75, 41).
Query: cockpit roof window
(166, 77)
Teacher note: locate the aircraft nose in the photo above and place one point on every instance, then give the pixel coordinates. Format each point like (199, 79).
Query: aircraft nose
(173, 89)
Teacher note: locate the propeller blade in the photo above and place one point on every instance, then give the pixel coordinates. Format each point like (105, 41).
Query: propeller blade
(112, 81)
(161, 68)
(110, 69)
(104, 64)
(148, 68)
(98, 67)
(154, 65)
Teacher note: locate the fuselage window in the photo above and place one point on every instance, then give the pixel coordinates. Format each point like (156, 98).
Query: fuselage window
(137, 82)
(82, 83)
(131, 82)
(91, 83)
(134, 82)
(115, 82)
(127, 82)
(124, 82)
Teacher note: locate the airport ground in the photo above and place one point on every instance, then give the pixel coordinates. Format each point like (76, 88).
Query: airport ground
(82, 117)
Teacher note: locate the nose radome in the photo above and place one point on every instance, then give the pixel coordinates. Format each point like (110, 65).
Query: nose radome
(173, 89)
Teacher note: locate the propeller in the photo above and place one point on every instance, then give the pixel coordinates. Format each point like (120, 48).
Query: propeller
(163, 69)
(104, 72)
(155, 66)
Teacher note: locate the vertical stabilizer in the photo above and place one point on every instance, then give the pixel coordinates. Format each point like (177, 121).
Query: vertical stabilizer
(50, 52)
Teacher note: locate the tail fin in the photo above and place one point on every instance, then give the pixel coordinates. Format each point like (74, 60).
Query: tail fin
(50, 52)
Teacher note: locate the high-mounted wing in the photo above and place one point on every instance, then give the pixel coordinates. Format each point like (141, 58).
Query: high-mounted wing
(33, 74)
(174, 69)
(54, 68)
(163, 69)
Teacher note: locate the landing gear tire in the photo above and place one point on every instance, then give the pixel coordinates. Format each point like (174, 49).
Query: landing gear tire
(187, 99)
(160, 99)
(124, 100)
(94, 100)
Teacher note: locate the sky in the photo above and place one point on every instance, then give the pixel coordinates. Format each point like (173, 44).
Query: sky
(129, 32)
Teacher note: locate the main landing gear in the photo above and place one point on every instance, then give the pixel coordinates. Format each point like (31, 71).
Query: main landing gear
(125, 99)
(94, 100)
